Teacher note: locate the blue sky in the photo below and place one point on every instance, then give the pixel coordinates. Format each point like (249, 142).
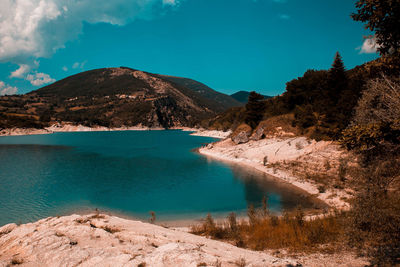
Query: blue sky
(228, 45)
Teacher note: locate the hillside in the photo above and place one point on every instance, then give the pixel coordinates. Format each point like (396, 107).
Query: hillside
(224, 100)
(242, 96)
(113, 97)
(322, 101)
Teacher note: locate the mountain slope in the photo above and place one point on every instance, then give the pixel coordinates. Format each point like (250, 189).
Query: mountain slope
(111, 97)
(224, 101)
(242, 96)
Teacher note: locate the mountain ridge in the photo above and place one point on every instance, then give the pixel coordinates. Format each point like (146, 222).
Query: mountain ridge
(113, 97)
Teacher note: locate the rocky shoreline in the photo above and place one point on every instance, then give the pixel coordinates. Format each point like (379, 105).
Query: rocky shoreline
(103, 240)
(266, 154)
(68, 127)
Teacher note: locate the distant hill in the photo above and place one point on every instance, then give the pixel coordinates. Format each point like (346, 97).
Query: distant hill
(115, 97)
(242, 96)
(224, 100)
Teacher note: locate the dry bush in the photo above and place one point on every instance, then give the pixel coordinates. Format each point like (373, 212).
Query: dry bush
(380, 102)
(373, 224)
(290, 231)
(374, 219)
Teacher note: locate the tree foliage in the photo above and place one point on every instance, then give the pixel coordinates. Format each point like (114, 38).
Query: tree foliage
(375, 136)
(382, 17)
(254, 109)
(369, 136)
(380, 102)
(377, 116)
(337, 79)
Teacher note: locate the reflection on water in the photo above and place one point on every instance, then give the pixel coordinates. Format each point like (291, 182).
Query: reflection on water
(281, 196)
(129, 173)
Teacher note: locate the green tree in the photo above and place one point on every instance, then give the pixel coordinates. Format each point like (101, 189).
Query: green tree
(374, 135)
(337, 79)
(382, 17)
(337, 85)
(255, 108)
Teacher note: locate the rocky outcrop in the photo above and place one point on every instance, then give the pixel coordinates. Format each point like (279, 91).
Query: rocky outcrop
(258, 133)
(102, 240)
(277, 126)
(241, 134)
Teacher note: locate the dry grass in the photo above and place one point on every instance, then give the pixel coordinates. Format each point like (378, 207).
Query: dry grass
(264, 231)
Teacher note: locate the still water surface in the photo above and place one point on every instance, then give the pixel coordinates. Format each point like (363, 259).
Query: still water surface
(127, 172)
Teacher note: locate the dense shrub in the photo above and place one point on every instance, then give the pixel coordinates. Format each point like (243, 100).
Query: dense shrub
(375, 135)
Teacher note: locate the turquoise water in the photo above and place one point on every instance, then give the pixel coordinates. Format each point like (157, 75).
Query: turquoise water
(127, 172)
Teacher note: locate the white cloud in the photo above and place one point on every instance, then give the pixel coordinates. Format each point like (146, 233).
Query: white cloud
(32, 29)
(20, 72)
(39, 79)
(171, 2)
(79, 65)
(65, 68)
(7, 90)
(369, 46)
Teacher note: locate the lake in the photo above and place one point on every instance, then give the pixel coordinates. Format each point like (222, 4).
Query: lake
(129, 173)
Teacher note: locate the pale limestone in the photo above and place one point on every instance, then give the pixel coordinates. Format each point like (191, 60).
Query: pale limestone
(82, 240)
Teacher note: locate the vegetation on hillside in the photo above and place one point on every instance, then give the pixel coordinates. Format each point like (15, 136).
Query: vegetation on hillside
(225, 101)
(254, 109)
(321, 100)
(360, 108)
(375, 136)
(114, 97)
(243, 96)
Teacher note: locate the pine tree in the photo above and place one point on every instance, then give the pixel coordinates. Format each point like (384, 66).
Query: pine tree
(337, 83)
(338, 71)
(255, 108)
(337, 76)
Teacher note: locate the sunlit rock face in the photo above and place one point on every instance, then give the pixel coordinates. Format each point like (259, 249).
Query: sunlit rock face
(102, 240)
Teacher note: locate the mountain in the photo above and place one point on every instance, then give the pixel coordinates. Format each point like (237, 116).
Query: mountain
(242, 96)
(225, 101)
(113, 97)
